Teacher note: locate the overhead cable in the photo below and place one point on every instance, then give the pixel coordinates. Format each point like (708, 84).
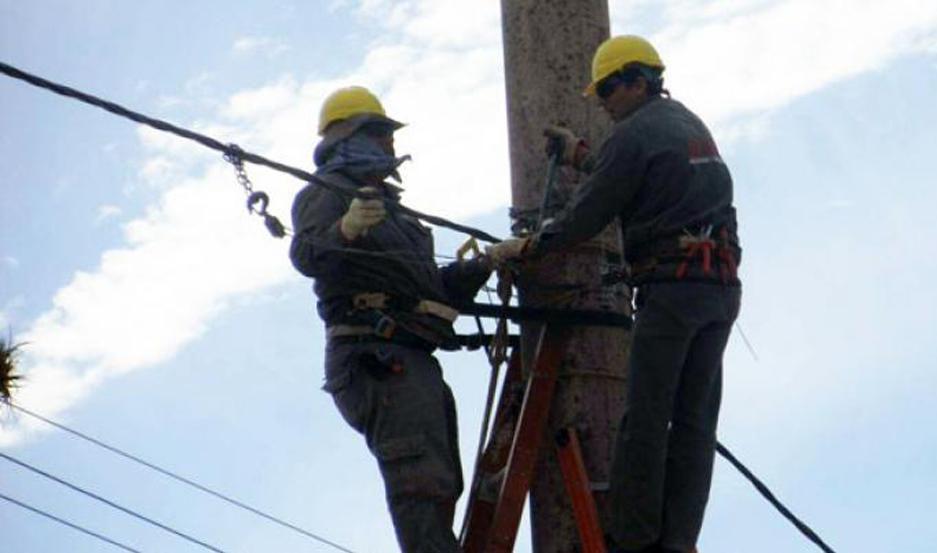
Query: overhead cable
(108, 502)
(766, 493)
(69, 524)
(227, 149)
(476, 309)
(177, 477)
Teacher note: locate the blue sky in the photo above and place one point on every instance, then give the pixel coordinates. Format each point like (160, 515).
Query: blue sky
(164, 320)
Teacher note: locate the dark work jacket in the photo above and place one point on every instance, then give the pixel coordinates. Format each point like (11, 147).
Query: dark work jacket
(394, 257)
(660, 173)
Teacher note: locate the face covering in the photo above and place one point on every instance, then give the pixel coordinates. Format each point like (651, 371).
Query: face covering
(359, 156)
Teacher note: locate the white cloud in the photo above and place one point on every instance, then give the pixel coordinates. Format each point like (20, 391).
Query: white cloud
(268, 46)
(338, 5)
(11, 261)
(199, 90)
(168, 102)
(182, 263)
(728, 59)
(258, 102)
(106, 212)
(157, 170)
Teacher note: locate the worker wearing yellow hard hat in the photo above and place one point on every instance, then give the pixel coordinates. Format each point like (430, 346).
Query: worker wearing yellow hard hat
(619, 52)
(355, 103)
(660, 174)
(386, 308)
(346, 111)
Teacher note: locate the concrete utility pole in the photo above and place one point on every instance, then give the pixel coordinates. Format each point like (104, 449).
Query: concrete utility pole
(548, 47)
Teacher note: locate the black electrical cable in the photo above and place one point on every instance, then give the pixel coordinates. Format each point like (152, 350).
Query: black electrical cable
(177, 477)
(228, 149)
(514, 313)
(766, 493)
(108, 502)
(69, 524)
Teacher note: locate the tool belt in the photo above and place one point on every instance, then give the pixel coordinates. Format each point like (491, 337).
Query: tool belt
(717, 257)
(371, 308)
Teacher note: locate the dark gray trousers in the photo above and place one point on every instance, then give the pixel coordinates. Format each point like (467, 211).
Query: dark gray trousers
(396, 397)
(663, 459)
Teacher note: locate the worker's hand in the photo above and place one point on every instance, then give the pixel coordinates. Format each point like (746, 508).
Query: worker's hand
(506, 250)
(362, 214)
(565, 143)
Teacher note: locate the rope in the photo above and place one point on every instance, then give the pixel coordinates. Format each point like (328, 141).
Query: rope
(227, 149)
(69, 524)
(766, 493)
(109, 503)
(179, 478)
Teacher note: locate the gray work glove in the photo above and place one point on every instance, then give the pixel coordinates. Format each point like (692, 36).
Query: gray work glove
(362, 214)
(571, 147)
(506, 250)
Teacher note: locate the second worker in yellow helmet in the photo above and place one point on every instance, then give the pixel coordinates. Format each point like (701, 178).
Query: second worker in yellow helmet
(660, 174)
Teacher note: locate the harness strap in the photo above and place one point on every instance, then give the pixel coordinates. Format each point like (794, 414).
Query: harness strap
(338, 331)
(696, 246)
(381, 300)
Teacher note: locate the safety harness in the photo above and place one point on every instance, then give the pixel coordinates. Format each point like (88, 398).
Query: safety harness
(685, 250)
(372, 308)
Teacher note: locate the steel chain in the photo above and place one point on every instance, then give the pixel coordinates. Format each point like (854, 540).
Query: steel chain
(232, 155)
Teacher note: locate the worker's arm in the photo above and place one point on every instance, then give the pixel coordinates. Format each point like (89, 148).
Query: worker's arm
(317, 240)
(616, 175)
(463, 279)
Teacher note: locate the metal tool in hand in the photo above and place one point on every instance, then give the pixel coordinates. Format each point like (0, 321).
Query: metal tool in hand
(557, 150)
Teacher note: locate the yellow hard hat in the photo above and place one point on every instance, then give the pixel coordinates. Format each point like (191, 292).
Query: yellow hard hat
(617, 52)
(349, 102)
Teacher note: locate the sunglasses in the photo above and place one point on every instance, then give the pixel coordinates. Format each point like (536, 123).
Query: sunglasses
(607, 86)
(379, 130)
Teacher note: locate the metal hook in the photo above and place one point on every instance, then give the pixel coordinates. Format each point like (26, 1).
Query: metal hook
(258, 197)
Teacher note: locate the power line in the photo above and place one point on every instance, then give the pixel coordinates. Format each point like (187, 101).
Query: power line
(69, 524)
(228, 149)
(231, 149)
(766, 493)
(177, 477)
(96, 497)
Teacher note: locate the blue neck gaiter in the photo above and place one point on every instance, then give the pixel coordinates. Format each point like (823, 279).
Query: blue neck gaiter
(359, 156)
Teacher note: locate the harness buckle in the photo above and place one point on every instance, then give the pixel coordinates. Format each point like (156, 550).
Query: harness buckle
(385, 327)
